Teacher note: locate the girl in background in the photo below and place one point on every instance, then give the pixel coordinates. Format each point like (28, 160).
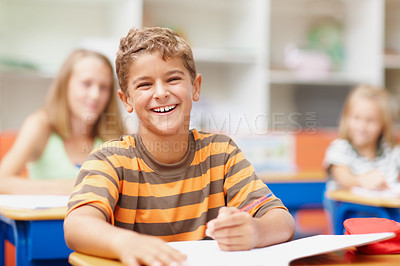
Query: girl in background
(365, 154)
(80, 113)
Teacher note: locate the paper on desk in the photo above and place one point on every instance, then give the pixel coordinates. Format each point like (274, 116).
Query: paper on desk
(207, 252)
(33, 201)
(392, 192)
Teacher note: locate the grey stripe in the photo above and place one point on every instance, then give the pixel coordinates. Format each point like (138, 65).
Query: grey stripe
(100, 191)
(109, 150)
(193, 171)
(173, 228)
(174, 201)
(76, 202)
(84, 173)
(214, 138)
(237, 168)
(231, 192)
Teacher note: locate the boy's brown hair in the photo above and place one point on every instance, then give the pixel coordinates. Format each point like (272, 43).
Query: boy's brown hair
(149, 40)
(382, 98)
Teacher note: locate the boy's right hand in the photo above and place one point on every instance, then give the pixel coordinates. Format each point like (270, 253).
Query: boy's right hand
(139, 249)
(373, 180)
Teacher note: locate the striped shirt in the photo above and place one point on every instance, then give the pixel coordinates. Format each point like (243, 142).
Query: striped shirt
(172, 201)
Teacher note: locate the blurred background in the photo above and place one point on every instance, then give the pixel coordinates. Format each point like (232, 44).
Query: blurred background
(268, 66)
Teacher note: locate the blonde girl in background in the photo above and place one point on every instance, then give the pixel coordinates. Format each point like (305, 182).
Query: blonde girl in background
(366, 153)
(80, 113)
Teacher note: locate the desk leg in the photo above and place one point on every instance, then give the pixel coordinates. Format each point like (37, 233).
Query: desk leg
(3, 230)
(21, 246)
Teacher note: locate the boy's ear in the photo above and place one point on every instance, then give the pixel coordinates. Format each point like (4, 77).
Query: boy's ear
(196, 88)
(125, 102)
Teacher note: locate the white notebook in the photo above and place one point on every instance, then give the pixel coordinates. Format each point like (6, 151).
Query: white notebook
(207, 252)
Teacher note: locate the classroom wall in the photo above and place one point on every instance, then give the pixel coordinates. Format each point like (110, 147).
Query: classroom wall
(20, 94)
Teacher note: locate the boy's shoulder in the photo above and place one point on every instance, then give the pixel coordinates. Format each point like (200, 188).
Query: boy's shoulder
(201, 136)
(124, 142)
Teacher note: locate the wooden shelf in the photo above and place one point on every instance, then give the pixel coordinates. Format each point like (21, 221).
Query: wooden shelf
(204, 55)
(291, 77)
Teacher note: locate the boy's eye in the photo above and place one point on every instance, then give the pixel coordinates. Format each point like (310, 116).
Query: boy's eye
(144, 85)
(174, 79)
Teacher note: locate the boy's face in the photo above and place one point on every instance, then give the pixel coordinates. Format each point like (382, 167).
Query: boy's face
(161, 93)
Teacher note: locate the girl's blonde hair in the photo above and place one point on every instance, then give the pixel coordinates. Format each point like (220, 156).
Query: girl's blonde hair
(109, 124)
(382, 98)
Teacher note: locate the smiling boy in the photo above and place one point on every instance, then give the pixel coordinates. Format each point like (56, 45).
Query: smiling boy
(166, 182)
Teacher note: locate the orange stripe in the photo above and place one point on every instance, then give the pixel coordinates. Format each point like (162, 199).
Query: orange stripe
(124, 215)
(200, 136)
(230, 149)
(94, 181)
(92, 199)
(195, 235)
(244, 191)
(102, 166)
(173, 188)
(234, 160)
(136, 164)
(211, 149)
(125, 144)
(216, 148)
(173, 214)
(242, 174)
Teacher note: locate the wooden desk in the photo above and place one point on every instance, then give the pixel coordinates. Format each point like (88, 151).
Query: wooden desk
(334, 258)
(37, 235)
(351, 257)
(345, 195)
(344, 204)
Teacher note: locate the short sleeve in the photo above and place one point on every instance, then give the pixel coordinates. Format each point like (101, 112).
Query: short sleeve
(97, 185)
(339, 152)
(242, 186)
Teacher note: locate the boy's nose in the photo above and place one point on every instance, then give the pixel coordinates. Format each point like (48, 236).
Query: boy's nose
(160, 91)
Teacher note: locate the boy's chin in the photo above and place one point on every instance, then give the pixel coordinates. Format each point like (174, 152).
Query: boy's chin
(167, 130)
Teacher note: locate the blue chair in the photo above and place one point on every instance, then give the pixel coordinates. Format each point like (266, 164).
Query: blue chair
(341, 209)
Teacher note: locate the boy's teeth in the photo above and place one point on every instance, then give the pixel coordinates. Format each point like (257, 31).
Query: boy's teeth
(164, 109)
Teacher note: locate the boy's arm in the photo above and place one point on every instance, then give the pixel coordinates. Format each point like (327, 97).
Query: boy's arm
(235, 230)
(86, 230)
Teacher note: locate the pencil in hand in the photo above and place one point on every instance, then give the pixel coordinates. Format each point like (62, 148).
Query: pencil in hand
(256, 202)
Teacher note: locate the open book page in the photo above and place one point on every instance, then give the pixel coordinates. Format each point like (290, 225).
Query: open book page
(207, 252)
(32, 201)
(392, 192)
